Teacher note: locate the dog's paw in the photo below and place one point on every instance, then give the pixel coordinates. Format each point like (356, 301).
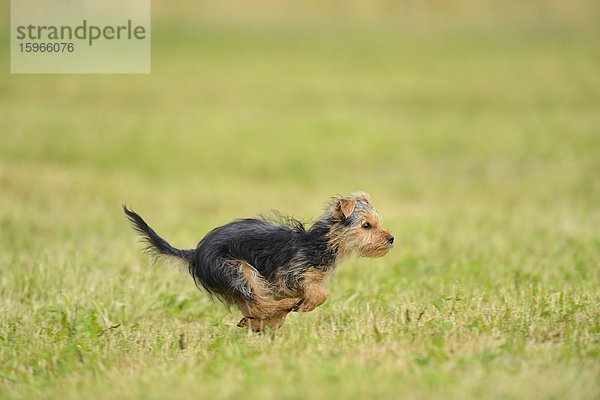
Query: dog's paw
(307, 305)
(297, 305)
(254, 324)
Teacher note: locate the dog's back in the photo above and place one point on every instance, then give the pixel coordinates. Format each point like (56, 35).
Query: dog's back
(264, 245)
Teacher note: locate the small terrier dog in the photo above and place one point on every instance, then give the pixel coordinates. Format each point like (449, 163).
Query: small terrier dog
(269, 268)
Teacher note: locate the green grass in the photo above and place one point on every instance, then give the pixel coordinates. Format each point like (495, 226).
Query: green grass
(480, 147)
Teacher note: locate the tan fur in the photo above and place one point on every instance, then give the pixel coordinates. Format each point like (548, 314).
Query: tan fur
(364, 196)
(368, 243)
(265, 310)
(313, 289)
(344, 207)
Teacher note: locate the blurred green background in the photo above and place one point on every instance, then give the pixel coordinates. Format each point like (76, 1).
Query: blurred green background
(475, 126)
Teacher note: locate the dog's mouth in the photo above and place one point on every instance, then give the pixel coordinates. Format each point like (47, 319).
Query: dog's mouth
(377, 251)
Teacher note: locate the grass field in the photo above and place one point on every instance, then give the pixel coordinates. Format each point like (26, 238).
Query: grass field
(479, 143)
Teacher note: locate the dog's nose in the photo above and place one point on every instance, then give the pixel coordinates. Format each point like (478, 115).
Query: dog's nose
(390, 239)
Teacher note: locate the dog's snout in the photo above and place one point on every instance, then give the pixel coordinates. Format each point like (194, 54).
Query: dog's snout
(390, 239)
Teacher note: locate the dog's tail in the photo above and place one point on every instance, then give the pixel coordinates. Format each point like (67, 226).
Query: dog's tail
(156, 245)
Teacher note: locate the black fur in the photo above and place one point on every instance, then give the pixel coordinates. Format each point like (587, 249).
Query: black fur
(265, 244)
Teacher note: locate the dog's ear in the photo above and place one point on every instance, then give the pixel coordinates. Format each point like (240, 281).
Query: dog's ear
(344, 207)
(364, 196)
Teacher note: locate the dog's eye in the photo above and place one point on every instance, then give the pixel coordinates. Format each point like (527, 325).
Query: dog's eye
(366, 225)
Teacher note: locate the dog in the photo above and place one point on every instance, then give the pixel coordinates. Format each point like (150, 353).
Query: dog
(270, 267)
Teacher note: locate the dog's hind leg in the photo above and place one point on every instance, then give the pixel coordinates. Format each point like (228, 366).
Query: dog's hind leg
(258, 306)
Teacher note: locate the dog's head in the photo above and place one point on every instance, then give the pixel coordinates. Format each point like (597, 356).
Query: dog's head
(356, 227)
